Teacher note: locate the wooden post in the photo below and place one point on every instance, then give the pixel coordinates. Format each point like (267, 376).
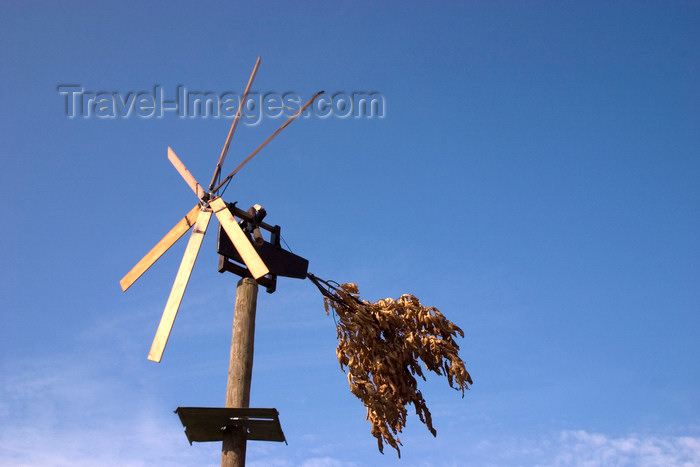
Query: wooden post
(240, 369)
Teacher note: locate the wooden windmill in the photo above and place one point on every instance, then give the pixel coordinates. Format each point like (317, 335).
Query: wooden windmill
(210, 202)
(244, 252)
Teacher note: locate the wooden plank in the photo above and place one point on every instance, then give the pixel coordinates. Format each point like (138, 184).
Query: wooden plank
(161, 247)
(222, 416)
(257, 430)
(232, 130)
(203, 424)
(264, 143)
(189, 179)
(179, 286)
(239, 239)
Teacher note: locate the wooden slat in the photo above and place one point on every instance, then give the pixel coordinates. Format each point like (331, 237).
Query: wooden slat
(232, 130)
(250, 257)
(180, 167)
(204, 424)
(179, 286)
(222, 416)
(264, 143)
(160, 248)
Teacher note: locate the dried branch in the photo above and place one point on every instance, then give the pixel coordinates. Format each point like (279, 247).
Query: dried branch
(381, 344)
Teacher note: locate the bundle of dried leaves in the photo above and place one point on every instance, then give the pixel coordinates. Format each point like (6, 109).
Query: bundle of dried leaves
(381, 345)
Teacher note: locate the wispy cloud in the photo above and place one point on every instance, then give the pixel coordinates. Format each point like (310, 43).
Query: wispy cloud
(580, 448)
(310, 462)
(60, 411)
(584, 449)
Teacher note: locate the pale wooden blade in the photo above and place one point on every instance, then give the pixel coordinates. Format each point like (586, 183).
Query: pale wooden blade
(222, 157)
(179, 286)
(160, 248)
(264, 143)
(239, 239)
(180, 167)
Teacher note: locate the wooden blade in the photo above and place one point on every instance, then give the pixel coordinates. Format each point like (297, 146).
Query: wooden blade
(189, 179)
(179, 286)
(160, 248)
(239, 239)
(222, 157)
(270, 138)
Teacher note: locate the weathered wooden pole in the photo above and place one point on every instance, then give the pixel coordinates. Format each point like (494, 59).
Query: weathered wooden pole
(240, 369)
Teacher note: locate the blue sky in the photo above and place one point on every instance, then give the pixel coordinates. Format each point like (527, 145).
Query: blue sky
(535, 177)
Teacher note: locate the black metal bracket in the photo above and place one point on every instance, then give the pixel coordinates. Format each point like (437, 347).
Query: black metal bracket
(279, 261)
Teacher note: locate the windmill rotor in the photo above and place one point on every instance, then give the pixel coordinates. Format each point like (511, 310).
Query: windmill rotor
(210, 202)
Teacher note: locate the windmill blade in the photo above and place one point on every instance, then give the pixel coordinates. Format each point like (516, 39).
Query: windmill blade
(179, 286)
(239, 239)
(161, 247)
(189, 179)
(222, 157)
(264, 143)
